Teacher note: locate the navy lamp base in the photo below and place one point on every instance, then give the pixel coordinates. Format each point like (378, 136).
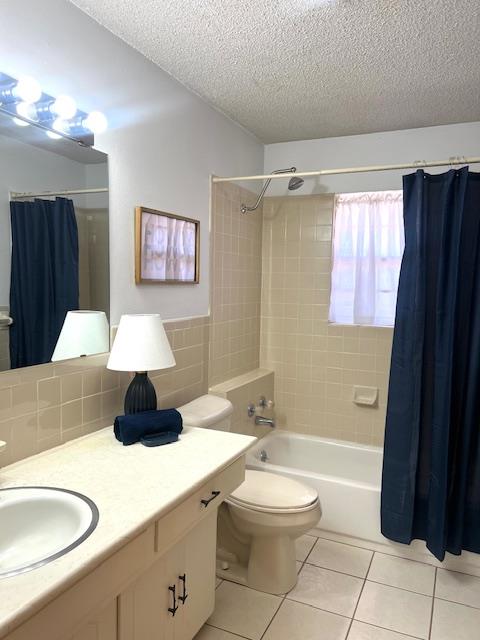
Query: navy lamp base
(140, 394)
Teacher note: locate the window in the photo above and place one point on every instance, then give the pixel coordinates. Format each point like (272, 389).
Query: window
(368, 242)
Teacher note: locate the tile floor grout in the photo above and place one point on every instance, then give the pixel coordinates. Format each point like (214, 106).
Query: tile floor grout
(433, 605)
(393, 555)
(237, 635)
(359, 596)
(282, 598)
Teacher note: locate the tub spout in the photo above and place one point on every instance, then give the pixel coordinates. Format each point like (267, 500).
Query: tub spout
(260, 420)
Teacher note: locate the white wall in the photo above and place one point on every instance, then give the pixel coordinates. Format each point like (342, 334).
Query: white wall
(163, 141)
(27, 168)
(432, 143)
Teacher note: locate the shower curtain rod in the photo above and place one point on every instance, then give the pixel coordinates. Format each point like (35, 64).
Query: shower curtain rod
(419, 164)
(69, 192)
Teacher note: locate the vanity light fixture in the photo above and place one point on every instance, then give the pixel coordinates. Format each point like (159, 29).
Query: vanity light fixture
(59, 117)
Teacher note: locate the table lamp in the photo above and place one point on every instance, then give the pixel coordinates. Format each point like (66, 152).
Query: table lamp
(140, 345)
(83, 334)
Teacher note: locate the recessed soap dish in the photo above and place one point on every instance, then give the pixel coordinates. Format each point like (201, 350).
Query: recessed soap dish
(366, 396)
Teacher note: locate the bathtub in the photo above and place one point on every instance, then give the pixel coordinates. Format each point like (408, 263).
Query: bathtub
(346, 475)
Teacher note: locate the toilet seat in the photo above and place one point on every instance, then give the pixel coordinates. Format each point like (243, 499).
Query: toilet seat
(272, 493)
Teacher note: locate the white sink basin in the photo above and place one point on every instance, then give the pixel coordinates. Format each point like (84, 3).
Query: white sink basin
(39, 524)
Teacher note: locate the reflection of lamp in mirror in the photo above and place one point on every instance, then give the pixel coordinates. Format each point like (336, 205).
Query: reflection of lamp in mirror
(141, 345)
(83, 333)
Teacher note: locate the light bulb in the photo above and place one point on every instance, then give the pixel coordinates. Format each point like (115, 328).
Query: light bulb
(28, 89)
(58, 125)
(64, 107)
(26, 110)
(96, 122)
(20, 123)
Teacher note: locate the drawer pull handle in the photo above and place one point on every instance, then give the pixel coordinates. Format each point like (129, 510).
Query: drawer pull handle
(184, 595)
(207, 502)
(173, 610)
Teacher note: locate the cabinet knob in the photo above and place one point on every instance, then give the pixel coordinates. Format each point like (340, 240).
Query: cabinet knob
(184, 595)
(173, 609)
(207, 501)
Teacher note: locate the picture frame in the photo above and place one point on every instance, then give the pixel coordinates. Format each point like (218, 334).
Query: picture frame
(167, 248)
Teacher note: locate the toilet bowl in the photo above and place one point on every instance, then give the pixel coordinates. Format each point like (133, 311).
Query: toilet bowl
(257, 528)
(260, 521)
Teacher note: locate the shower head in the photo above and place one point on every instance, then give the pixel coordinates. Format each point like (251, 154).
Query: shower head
(295, 183)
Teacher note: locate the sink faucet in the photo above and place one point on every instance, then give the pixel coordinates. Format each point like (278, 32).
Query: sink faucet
(260, 420)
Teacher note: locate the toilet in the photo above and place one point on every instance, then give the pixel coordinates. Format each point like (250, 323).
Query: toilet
(260, 521)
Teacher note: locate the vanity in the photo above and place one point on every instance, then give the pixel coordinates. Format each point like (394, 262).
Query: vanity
(148, 568)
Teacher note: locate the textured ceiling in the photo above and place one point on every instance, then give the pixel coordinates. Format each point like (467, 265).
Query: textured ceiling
(301, 69)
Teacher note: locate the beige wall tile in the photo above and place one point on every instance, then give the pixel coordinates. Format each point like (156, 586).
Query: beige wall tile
(235, 284)
(71, 387)
(72, 415)
(49, 423)
(43, 406)
(92, 382)
(49, 393)
(24, 398)
(316, 365)
(92, 408)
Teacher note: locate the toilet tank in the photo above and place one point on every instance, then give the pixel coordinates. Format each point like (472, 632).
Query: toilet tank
(208, 411)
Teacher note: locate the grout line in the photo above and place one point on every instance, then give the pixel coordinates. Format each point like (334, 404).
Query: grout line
(273, 618)
(392, 586)
(342, 573)
(311, 549)
(208, 624)
(390, 554)
(433, 605)
(376, 626)
(460, 604)
(359, 596)
(312, 606)
(365, 580)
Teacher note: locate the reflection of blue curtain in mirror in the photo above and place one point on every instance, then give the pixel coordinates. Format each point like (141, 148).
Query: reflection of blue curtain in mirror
(44, 277)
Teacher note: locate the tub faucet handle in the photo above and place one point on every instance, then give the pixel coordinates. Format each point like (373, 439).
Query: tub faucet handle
(265, 404)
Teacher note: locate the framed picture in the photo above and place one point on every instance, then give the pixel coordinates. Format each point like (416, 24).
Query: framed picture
(167, 248)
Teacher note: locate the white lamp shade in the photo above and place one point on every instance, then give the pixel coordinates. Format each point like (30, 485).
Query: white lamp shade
(83, 333)
(141, 344)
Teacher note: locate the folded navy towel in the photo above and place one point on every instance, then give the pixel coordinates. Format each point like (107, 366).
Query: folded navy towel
(129, 429)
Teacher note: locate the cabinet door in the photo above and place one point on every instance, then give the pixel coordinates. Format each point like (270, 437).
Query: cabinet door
(200, 553)
(102, 626)
(187, 569)
(144, 608)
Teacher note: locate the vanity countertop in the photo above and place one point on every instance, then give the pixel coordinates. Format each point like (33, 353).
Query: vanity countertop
(132, 487)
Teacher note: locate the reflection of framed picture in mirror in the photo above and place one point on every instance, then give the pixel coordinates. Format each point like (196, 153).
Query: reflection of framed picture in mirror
(167, 247)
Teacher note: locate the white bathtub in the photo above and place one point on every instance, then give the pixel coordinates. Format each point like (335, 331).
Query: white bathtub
(346, 475)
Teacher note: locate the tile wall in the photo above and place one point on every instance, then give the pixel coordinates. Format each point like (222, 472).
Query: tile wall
(243, 390)
(44, 406)
(316, 364)
(235, 283)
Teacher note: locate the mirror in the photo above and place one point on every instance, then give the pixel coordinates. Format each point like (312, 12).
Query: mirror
(54, 249)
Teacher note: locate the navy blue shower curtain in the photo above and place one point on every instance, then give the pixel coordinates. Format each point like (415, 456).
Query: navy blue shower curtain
(431, 470)
(44, 277)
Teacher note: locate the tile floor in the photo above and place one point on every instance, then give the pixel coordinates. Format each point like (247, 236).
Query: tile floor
(347, 593)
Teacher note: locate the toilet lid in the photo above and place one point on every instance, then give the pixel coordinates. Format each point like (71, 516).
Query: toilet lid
(272, 491)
